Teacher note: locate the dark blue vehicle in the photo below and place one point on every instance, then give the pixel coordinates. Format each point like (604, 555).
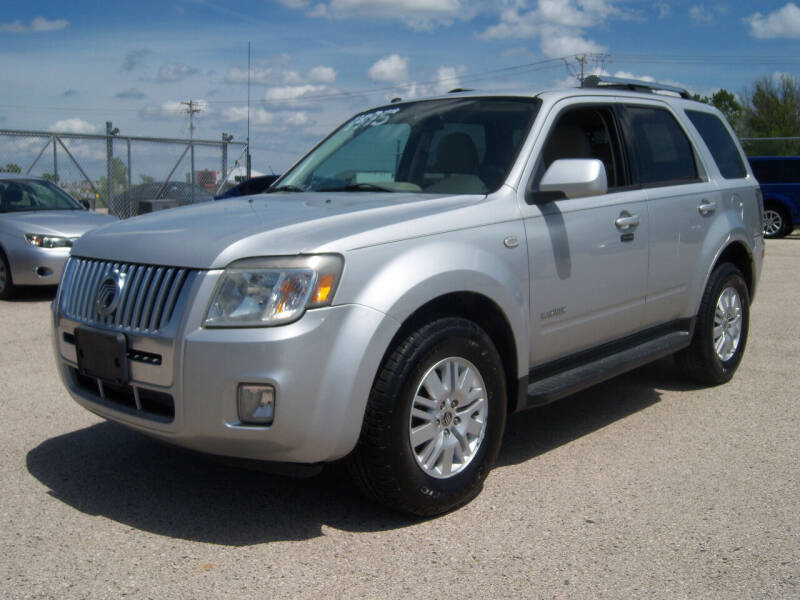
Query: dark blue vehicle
(779, 177)
(254, 185)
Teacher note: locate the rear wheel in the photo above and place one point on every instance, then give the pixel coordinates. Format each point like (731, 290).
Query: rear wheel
(434, 420)
(721, 329)
(777, 222)
(6, 283)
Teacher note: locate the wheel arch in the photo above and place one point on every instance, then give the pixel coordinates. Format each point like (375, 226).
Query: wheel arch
(482, 311)
(738, 255)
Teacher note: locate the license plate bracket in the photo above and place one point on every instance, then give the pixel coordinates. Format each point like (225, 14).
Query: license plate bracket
(102, 354)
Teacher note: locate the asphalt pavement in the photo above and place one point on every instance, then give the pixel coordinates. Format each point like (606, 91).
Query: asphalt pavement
(643, 487)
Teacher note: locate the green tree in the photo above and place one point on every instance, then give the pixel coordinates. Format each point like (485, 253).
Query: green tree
(119, 181)
(51, 177)
(772, 109)
(11, 168)
(728, 105)
(147, 178)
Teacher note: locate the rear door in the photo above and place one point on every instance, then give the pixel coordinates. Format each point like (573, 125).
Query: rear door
(682, 203)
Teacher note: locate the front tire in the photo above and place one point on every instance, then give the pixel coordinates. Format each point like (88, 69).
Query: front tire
(6, 283)
(434, 420)
(720, 333)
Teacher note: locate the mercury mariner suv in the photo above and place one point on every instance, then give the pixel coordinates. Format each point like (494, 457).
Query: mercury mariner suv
(429, 268)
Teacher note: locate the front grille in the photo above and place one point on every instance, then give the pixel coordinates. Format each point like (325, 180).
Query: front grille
(148, 299)
(142, 402)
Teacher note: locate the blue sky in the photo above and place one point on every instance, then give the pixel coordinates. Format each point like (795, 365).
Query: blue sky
(76, 65)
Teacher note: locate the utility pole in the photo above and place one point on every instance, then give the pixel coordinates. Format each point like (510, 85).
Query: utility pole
(579, 71)
(192, 107)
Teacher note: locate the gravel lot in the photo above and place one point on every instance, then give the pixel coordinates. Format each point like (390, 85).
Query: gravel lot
(645, 486)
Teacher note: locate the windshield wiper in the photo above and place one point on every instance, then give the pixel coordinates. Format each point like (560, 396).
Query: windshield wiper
(357, 187)
(284, 188)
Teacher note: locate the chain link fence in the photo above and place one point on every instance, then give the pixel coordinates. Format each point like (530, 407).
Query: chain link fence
(771, 146)
(124, 175)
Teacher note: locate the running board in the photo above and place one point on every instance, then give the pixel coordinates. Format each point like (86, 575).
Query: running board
(568, 382)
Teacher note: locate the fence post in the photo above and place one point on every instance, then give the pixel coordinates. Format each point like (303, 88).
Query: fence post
(191, 179)
(109, 168)
(55, 161)
(224, 157)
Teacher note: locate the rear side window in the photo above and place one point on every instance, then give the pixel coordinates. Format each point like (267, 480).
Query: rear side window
(720, 143)
(662, 154)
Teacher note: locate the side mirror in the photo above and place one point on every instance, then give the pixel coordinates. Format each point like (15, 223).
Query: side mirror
(575, 178)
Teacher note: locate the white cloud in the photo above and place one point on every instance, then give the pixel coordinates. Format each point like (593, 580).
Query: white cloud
(297, 119)
(556, 43)
(560, 25)
(783, 23)
(446, 79)
(261, 118)
(74, 125)
(664, 9)
(37, 25)
(238, 114)
(417, 14)
(322, 74)
(291, 92)
(173, 72)
(700, 14)
(271, 76)
(166, 110)
(390, 69)
(262, 75)
(291, 78)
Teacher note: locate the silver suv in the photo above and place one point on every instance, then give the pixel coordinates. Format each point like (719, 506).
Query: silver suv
(427, 269)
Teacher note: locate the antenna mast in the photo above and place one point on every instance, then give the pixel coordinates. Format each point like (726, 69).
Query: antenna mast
(248, 110)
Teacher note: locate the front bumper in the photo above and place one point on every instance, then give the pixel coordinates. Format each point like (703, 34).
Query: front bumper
(31, 265)
(322, 367)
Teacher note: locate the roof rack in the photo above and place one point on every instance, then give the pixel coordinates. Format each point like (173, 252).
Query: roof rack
(634, 85)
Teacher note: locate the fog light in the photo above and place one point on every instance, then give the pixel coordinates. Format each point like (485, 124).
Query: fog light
(256, 404)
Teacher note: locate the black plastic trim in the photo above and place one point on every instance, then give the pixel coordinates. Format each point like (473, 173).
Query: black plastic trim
(563, 377)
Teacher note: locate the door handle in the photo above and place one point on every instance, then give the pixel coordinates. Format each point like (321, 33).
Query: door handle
(707, 207)
(626, 221)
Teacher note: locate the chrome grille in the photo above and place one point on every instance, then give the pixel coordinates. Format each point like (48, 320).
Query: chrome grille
(148, 299)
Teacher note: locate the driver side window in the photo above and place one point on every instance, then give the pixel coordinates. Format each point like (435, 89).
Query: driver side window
(585, 132)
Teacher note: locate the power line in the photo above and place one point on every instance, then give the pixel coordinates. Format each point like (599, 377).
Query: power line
(521, 69)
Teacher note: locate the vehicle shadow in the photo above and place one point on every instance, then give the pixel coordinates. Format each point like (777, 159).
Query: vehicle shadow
(108, 470)
(33, 293)
(537, 431)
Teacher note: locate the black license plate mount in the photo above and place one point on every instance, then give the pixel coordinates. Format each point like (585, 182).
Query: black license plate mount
(102, 354)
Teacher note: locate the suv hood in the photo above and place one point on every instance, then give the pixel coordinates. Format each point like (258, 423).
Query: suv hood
(212, 235)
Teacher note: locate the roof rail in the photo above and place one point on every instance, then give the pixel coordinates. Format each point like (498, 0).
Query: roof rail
(634, 85)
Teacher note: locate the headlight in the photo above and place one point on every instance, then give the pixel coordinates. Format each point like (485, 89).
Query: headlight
(259, 292)
(48, 241)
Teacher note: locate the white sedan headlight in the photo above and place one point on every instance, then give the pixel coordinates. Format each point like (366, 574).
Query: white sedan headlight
(259, 292)
(42, 240)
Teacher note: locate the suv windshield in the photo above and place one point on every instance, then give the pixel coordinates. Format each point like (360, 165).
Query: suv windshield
(452, 146)
(32, 194)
